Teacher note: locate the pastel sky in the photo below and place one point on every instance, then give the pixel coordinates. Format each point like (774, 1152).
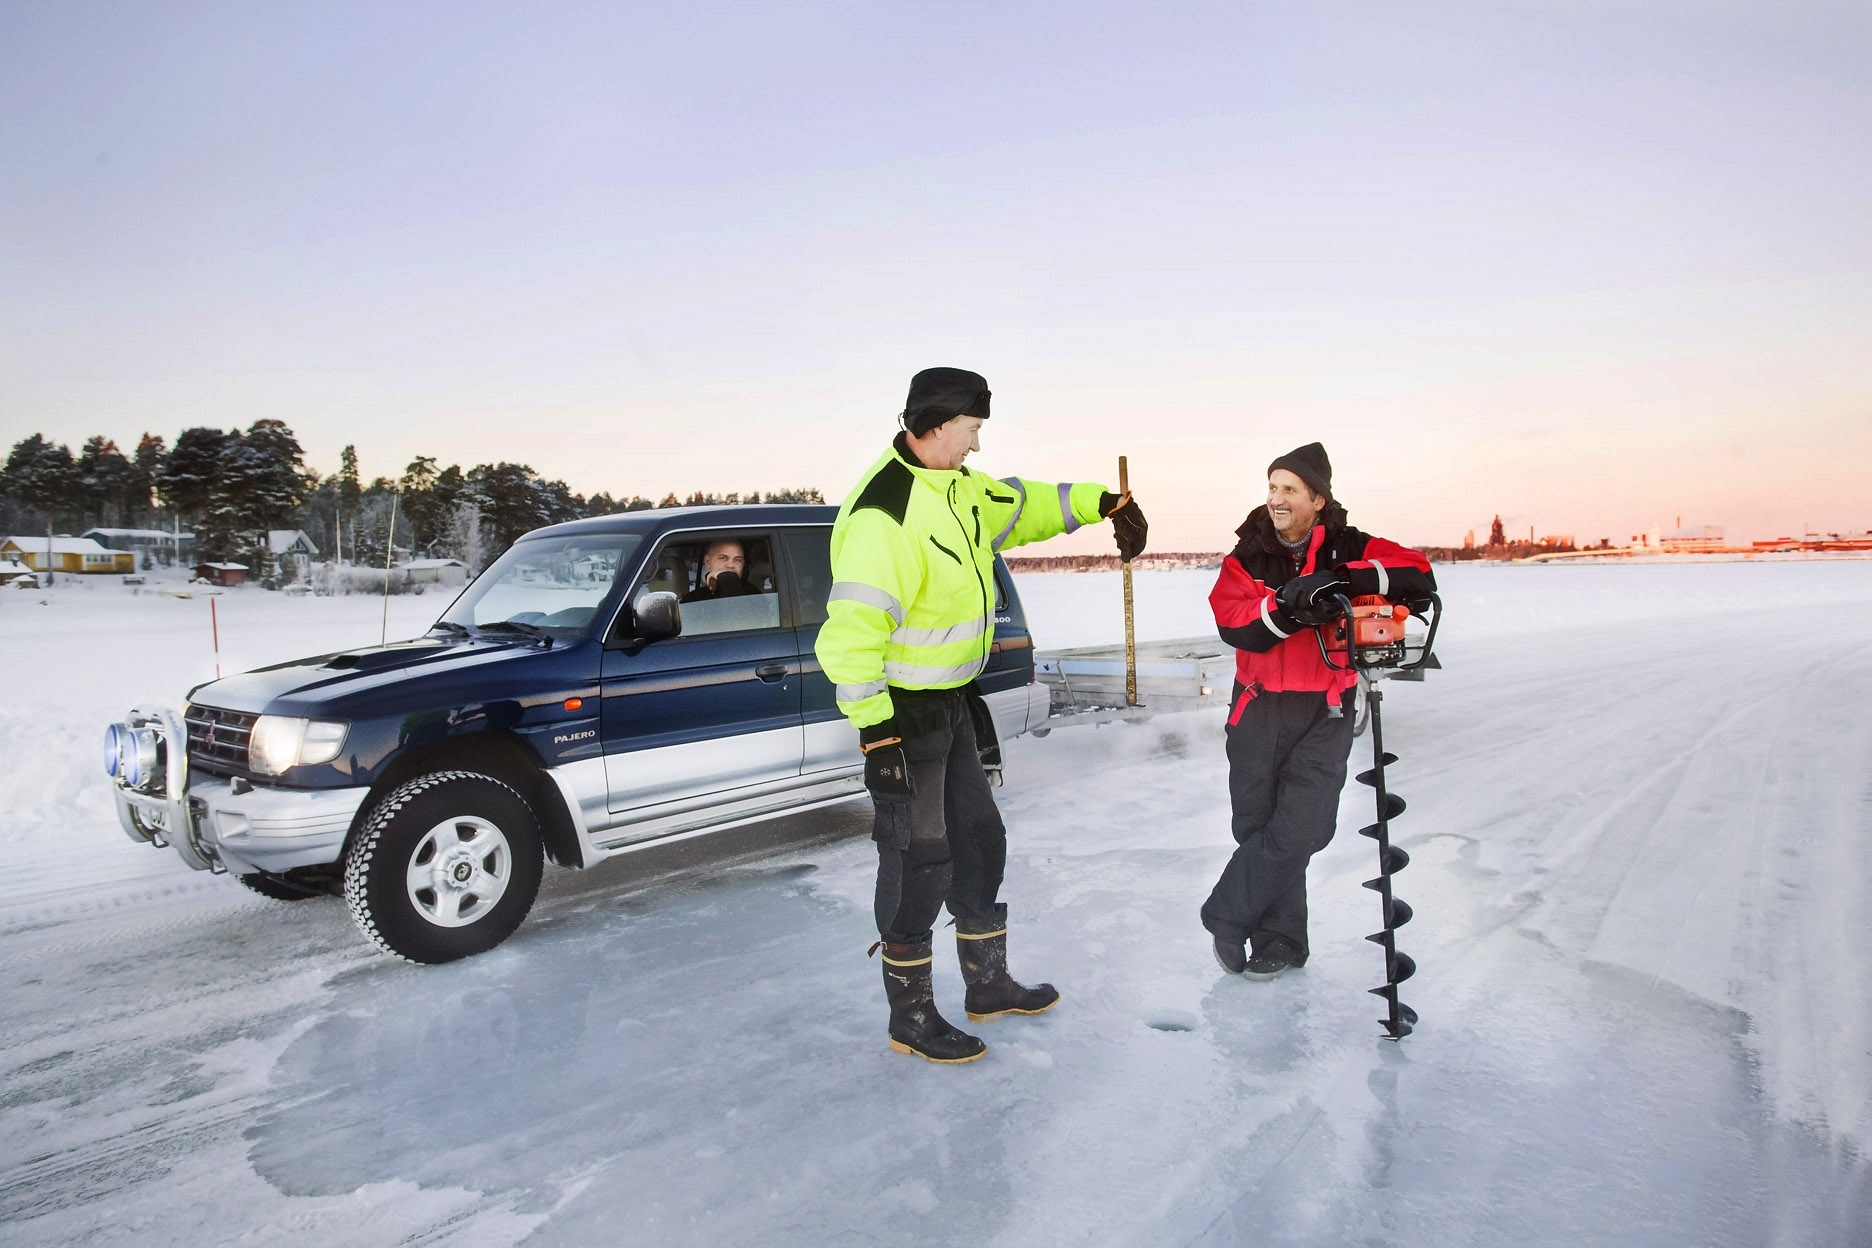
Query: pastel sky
(1592, 265)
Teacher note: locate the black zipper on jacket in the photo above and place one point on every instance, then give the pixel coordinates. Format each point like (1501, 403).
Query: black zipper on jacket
(939, 546)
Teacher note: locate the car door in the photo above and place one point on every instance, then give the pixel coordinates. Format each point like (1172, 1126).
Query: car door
(715, 709)
(1007, 683)
(1010, 658)
(830, 743)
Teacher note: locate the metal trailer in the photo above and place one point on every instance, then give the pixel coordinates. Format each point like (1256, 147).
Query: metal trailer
(1086, 684)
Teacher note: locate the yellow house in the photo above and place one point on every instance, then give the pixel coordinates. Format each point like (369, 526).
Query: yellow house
(69, 554)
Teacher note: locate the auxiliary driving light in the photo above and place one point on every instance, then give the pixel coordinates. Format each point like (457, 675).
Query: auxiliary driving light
(137, 757)
(113, 749)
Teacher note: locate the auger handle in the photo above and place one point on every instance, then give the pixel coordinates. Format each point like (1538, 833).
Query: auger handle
(1436, 618)
(1319, 636)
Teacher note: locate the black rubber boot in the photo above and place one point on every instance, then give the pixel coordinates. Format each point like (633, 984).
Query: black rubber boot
(981, 947)
(915, 1026)
(1231, 955)
(1273, 958)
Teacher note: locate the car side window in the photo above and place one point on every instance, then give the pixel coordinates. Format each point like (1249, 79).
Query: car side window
(1001, 590)
(809, 555)
(728, 582)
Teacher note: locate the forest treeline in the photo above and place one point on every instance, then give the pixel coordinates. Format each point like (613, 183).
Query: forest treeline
(231, 486)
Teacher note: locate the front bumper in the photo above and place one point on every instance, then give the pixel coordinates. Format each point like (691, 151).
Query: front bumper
(215, 828)
(232, 825)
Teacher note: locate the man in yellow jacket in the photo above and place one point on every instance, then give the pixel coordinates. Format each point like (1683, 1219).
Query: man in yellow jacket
(908, 628)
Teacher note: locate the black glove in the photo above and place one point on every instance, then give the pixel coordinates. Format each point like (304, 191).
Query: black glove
(887, 770)
(1358, 582)
(1400, 584)
(729, 585)
(1311, 599)
(1128, 524)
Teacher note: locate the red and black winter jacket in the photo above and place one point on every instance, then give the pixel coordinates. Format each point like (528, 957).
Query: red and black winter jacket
(1275, 652)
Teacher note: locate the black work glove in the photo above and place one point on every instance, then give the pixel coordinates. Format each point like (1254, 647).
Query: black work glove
(1359, 582)
(1312, 599)
(1128, 524)
(887, 769)
(1400, 584)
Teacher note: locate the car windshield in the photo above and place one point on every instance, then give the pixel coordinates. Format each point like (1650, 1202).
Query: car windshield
(554, 584)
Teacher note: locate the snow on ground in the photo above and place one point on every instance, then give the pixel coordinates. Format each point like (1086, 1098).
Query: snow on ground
(1639, 817)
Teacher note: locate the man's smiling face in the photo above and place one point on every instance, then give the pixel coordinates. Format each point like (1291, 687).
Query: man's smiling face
(1292, 505)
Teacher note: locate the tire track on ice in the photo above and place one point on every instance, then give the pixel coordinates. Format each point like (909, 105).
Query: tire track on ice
(1805, 895)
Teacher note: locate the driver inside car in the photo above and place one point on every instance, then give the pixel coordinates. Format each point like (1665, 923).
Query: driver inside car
(724, 572)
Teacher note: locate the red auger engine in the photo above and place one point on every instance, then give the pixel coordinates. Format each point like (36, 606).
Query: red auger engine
(1377, 628)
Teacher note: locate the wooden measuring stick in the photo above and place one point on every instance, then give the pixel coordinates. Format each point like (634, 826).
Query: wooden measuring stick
(1131, 696)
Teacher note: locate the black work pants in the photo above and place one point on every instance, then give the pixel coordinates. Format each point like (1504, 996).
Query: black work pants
(1287, 762)
(947, 841)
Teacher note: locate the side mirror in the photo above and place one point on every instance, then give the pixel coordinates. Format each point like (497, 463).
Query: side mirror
(656, 614)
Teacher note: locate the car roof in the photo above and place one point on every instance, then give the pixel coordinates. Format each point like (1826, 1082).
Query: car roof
(662, 519)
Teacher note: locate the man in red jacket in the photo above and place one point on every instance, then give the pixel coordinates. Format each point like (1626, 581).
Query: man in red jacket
(1290, 721)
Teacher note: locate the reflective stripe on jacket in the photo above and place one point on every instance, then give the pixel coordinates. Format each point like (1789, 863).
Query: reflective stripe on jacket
(912, 602)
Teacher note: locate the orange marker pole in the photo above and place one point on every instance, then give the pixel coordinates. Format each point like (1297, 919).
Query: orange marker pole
(214, 622)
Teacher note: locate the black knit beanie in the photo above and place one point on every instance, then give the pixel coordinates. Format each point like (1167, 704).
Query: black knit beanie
(938, 395)
(1310, 464)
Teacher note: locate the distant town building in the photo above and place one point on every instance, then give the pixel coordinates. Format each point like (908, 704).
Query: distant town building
(1468, 540)
(445, 572)
(292, 553)
(1818, 541)
(164, 545)
(1154, 562)
(228, 574)
(1697, 537)
(1495, 535)
(66, 554)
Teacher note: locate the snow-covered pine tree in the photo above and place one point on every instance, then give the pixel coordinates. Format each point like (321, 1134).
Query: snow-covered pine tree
(44, 477)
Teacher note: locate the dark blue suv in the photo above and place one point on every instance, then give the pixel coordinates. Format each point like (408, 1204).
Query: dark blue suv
(584, 695)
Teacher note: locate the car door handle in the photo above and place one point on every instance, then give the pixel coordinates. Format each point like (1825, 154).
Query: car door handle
(771, 672)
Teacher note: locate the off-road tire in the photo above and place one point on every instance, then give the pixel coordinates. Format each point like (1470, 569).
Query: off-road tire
(378, 869)
(283, 887)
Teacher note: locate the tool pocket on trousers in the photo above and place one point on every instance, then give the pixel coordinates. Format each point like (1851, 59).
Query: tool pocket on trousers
(891, 821)
(887, 774)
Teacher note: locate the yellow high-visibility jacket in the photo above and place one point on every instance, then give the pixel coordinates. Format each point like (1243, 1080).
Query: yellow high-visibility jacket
(912, 601)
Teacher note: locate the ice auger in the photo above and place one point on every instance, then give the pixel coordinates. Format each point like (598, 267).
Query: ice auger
(1370, 636)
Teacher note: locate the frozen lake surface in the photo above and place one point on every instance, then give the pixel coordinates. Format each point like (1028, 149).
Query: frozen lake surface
(1641, 831)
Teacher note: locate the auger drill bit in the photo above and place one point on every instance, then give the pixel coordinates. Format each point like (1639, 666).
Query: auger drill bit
(1391, 860)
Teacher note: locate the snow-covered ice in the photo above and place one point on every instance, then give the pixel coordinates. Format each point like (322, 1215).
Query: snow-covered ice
(1640, 804)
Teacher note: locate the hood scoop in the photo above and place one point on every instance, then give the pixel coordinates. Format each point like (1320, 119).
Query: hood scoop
(373, 660)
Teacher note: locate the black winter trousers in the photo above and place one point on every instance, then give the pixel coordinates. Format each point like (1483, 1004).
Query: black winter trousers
(947, 842)
(1287, 762)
